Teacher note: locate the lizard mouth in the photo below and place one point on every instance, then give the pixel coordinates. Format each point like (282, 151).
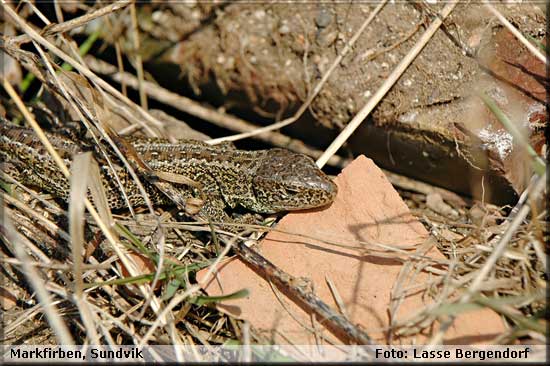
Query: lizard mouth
(288, 181)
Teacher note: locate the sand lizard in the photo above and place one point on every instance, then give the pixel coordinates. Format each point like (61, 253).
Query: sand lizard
(263, 181)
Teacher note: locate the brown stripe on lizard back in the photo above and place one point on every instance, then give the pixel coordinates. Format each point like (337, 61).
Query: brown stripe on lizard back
(264, 181)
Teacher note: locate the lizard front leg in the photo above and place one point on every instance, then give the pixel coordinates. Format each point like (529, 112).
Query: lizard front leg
(213, 210)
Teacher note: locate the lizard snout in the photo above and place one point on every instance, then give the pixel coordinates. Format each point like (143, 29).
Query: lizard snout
(288, 181)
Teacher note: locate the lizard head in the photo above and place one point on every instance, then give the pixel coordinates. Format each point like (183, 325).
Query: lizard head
(287, 181)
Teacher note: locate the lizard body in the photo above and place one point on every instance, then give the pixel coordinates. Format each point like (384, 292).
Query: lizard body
(263, 181)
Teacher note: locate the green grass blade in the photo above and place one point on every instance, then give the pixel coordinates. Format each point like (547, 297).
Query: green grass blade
(82, 50)
(201, 300)
(539, 44)
(148, 277)
(539, 165)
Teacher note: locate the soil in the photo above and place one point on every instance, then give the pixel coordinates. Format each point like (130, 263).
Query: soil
(261, 60)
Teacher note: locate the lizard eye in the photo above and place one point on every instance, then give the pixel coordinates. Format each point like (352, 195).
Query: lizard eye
(292, 190)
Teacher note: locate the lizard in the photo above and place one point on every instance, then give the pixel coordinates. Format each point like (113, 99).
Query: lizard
(262, 181)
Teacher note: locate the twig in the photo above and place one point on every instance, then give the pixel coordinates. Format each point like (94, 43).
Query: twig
(515, 32)
(218, 118)
(372, 54)
(76, 22)
(91, 209)
(386, 86)
(315, 91)
(287, 283)
(86, 72)
(176, 300)
(285, 305)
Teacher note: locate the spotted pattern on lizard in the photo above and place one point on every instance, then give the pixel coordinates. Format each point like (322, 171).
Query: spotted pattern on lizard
(263, 181)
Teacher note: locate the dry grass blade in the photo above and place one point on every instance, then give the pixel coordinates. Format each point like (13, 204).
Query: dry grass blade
(55, 266)
(176, 300)
(48, 225)
(515, 32)
(79, 188)
(37, 129)
(504, 240)
(131, 277)
(79, 21)
(479, 279)
(539, 250)
(35, 279)
(386, 86)
(79, 87)
(137, 56)
(53, 208)
(64, 82)
(362, 247)
(55, 50)
(247, 354)
(25, 316)
(218, 118)
(107, 231)
(337, 297)
(539, 165)
(101, 202)
(99, 195)
(316, 90)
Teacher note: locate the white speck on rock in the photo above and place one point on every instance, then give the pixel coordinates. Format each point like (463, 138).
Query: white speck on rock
(157, 16)
(498, 95)
(284, 29)
(500, 141)
(535, 109)
(408, 117)
(196, 14)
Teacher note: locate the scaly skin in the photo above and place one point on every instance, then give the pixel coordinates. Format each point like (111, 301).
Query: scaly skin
(263, 181)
